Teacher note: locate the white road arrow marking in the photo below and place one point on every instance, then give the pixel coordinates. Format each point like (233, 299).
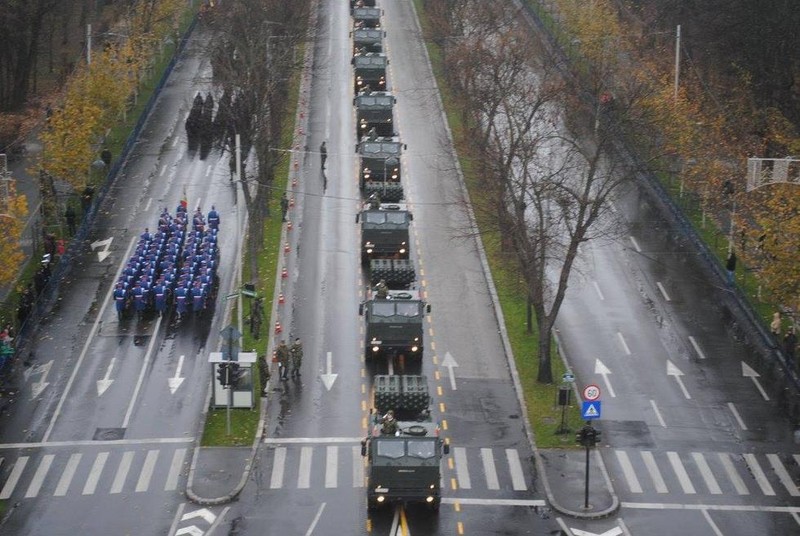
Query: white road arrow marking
(105, 383)
(748, 372)
(105, 244)
(601, 369)
(191, 530)
(616, 531)
(40, 386)
(176, 380)
(672, 370)
(329, 378)
(205, 513)
(449, 362)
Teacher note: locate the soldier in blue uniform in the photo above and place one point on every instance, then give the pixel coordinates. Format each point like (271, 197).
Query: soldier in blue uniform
(160, 292)
(213, 218)
(180, 300)
(120, 299)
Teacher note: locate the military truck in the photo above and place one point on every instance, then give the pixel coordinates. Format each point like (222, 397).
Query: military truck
(367, 40)
(385, 244)
(369, 71)
(366, 17)
(374, 109)
(404, 455)
(394, 326)
(379, 170)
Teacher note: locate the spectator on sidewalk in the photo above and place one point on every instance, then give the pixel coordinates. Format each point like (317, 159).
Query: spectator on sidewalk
(730, 265)
(789, 345)
(70, 216)
(775, 325)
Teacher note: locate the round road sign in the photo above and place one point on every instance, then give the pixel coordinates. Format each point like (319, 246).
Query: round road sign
(591, 392)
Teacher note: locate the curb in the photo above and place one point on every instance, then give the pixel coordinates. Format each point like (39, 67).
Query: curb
(504, 332)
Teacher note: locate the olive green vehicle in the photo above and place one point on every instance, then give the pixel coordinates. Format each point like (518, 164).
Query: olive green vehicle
(404, 463)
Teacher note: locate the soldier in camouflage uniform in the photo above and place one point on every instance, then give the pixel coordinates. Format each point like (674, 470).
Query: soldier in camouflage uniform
(282, 354)
(296, 352)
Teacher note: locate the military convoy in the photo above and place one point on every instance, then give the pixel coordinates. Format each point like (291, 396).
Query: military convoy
(403, 447)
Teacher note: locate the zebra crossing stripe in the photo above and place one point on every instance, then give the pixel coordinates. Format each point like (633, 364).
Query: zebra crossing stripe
(278, 466)
(122, 472)
(175, 470)
(94, 474)
(39, 476)
(147, 471)
(655, 474)
(331, 465)
(783, 475)
(358, 468)
(628, 472)
(758, 474)
(462, 469)
(68, 474)
(489, 469)
(680, 472)
(733, 474)
(13, 478)
(304, 474)
(515, 467)
(705, 472)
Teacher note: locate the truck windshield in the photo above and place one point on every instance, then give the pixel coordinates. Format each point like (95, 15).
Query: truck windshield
(413, 448)
(392, 308)
(386, 217)
(378, 148)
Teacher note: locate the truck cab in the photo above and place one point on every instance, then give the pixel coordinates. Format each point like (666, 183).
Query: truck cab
(394, 326)
(374, 109)
(369, 71)
(380, 167)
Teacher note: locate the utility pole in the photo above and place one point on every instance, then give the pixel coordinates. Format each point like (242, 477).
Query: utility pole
(88, 44)
(677, 62)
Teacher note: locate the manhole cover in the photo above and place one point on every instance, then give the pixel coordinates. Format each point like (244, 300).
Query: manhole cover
(109, 434)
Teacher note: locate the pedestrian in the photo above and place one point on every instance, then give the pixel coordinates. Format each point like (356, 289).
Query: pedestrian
(730, 265)
(323, 154)
(26, 301)
(70, 216)
(263, 373)
(775, 325)
(50, 244)
(296, 352)
(105, 156)
(284, 207)
(789, 345)
(282, 354)
(86, 198)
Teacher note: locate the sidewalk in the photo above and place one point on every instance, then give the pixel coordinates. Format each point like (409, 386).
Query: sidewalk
(563, 473)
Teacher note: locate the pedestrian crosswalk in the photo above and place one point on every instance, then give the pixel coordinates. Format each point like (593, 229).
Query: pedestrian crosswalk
(706, 473)
(304, 466)
(93, 471)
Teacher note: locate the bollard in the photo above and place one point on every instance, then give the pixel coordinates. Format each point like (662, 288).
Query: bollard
(281, 299)
(278, 327)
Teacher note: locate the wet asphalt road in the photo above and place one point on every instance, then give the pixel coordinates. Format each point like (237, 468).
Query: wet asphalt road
(96, 441)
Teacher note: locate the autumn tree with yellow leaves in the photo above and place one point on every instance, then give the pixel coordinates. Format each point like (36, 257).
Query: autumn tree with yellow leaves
(13, 210)
(97, 95)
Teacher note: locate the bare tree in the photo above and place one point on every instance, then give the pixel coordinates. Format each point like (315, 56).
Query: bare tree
(544, 157)
(253, 57)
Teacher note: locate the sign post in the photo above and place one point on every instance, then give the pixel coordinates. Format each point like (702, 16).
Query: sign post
(588, 436)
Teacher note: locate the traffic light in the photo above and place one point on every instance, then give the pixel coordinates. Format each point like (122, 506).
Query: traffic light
(235, 374)
(581, 437)
(588, 436)
(223, 374)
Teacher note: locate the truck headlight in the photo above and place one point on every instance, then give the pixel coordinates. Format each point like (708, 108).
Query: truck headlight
(369, 250)
(381, 498)
(375, 349)
(402, 250)
(429, 499)
(414, 348)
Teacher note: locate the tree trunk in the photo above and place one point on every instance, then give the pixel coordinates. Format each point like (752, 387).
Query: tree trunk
(545, 342)
(529, 317)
